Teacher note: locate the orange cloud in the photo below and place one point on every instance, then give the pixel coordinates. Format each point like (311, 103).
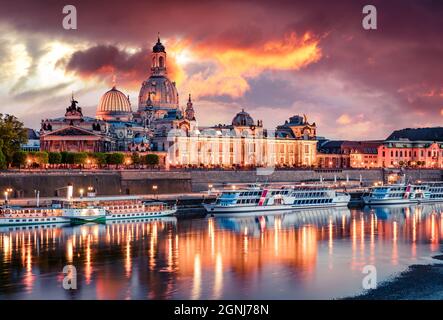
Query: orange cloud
(344, 119)
(234, 66)
(222, 68)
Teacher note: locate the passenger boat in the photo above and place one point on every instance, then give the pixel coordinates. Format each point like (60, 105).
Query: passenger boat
(398, 194)
(62, 212)
(128, 207)
(29, 216)
(86, 209)
(258, 199)
(435, 189)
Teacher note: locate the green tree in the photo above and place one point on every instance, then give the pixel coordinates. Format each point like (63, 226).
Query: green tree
(100, 158)
(64, 155)
(55, 158)
(69, 158)
(116, 158)
(135, 158)
(41, 157)
(3, 164)
(19, 158)
(152, 159)
(80, 157)
(12, 134)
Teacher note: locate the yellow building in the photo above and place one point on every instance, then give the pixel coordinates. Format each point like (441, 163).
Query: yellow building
(243, 143)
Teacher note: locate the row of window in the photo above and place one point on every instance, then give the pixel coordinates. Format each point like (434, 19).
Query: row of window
(313, 201)
(243, 201)
(32, 220)
(309, 194)
(135, 214)
(395, 195)
(409, 153)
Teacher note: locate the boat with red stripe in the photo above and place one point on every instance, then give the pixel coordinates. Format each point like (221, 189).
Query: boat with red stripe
(263, 199)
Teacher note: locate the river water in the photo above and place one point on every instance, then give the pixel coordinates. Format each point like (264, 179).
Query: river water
(309, 254)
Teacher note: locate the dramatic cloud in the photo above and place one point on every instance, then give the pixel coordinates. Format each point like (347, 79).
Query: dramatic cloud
(101, 61)
(274, 58)
(204, 70)
(234, 66)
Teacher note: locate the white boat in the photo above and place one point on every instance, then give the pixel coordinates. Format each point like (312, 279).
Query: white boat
(79, 212)
(126, 207)
(261, 200)
(10, 216)
(398, 194)
(87, 209)
(435, 189)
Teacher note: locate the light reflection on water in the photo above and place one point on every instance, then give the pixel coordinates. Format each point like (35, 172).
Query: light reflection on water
(308, 254)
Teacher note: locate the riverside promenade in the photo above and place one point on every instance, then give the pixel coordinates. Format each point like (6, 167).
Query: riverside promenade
(52, 183)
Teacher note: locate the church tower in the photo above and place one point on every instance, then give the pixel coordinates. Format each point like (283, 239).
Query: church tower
(189, 112)
(158, 91)
(158, 64)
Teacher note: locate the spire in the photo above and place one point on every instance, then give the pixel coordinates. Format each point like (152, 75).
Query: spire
(114, 81)
(158, 47)
(189, 112)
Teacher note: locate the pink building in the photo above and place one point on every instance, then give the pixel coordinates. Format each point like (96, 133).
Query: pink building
(421, 147)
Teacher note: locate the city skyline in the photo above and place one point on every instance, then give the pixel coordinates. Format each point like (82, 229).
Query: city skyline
(273, 61)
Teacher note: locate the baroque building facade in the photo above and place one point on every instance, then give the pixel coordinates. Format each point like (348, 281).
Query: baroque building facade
(418, 147)
(160, 125)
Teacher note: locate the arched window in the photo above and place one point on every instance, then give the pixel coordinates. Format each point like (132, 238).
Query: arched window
(161, 62)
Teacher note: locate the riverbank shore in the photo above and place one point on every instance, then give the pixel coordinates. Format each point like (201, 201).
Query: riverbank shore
(418, 282)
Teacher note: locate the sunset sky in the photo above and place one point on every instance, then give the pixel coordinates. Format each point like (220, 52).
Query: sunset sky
(272, 58)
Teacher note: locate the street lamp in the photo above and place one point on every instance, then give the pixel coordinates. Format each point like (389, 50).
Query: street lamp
(81, 192)
(37, 196)
(209, 188)
(154, 187)
(6, 193)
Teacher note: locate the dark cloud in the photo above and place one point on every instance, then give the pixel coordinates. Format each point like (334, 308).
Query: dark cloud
(31, 95)
(101, 61)
(400, 61)
(104, 60)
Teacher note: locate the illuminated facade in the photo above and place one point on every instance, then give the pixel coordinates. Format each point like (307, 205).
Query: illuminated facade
(420, 147)
(160, 125)
(243, 143)
(74, 132)
(348, 154)
(416, 154)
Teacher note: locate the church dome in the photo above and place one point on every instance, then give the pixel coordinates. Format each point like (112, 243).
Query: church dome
(161, 92)
(159, 47)
(242, 119)
(114, 105)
